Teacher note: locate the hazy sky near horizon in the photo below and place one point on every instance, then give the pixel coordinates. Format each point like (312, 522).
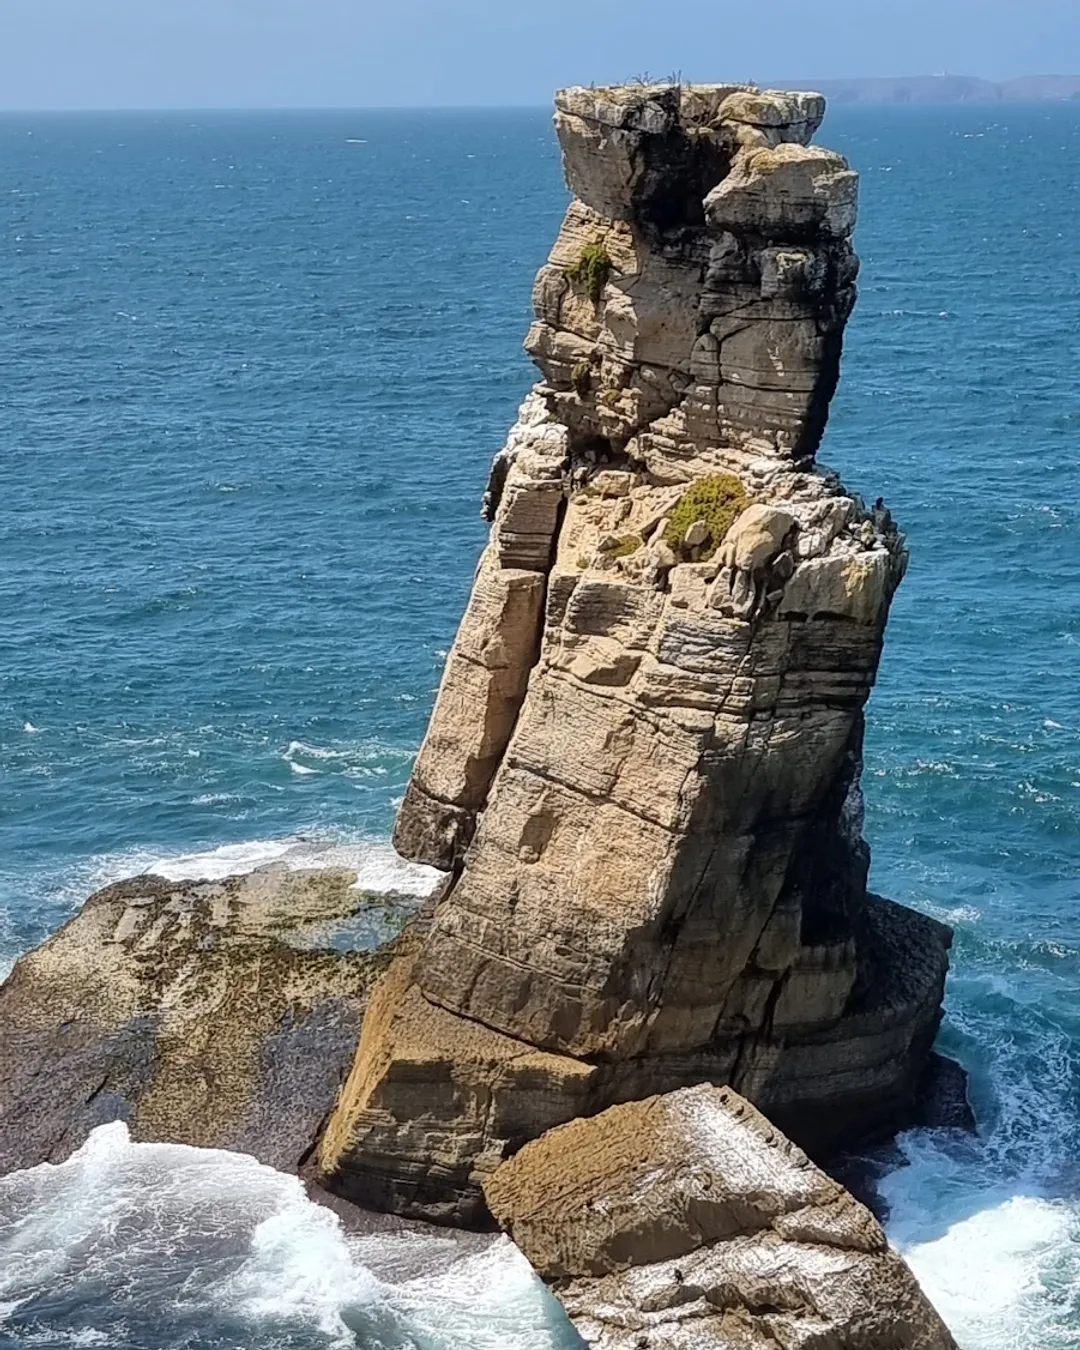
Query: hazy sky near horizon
(369, 53)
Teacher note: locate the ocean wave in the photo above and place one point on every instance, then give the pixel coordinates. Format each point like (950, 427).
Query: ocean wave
(991, 1224)
(1007, 1275)
(313, 751)
(167, 1246)
(1003, 1269)
(366, 760)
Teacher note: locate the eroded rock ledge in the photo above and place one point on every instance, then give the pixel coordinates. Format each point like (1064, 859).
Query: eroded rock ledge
(642, 771)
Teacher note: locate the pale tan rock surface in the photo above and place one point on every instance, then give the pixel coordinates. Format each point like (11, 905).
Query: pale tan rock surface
(222, 1014)
(687, 1222)
(642, 772)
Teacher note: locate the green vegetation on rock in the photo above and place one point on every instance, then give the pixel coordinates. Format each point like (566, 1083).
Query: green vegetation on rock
(592, 270)
(581, 378)
(718, 500)
(622, 548)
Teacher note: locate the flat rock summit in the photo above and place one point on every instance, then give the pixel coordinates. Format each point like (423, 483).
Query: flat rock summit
(653, 954)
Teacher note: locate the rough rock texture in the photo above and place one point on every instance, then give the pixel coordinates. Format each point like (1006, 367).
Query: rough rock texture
(687, 1222)
(220, 1014)
(642, 771)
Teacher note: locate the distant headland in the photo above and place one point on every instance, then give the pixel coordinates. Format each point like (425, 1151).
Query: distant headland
(944, 89)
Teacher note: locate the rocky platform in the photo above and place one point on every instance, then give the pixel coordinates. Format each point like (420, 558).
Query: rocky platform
(220, 1014)
(642, 773)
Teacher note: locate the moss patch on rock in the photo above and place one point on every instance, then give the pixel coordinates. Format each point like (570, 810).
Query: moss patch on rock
(622, 548)
(717, 500)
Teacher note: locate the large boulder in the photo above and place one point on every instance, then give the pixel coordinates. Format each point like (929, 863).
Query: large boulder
(222, 1014)
(687, 1222)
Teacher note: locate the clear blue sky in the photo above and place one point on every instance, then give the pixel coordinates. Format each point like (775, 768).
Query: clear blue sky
(363, 53)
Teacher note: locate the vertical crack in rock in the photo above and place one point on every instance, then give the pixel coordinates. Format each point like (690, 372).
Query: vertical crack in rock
(642, 768)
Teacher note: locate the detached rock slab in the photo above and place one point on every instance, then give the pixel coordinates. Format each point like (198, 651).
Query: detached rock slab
(221, 1014)
(687, 1222)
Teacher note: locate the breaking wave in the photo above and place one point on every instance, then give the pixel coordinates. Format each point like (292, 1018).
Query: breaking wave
(165, 1247)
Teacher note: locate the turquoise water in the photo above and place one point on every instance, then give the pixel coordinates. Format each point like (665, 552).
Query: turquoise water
(253, 371)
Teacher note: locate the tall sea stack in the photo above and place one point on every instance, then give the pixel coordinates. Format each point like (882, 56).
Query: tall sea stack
(642, 772)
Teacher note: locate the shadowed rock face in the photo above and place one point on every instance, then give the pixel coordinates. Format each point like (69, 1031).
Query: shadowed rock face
(642, 771)
(687, 1222)
(220, 1014)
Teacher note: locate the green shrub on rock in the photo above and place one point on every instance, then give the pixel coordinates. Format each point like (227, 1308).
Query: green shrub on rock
(592, 270)
(717, 500)
(581, 378)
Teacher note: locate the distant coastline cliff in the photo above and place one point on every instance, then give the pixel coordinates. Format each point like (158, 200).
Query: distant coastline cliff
(929, 89)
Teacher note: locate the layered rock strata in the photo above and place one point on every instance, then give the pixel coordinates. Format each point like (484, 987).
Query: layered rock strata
(687, 1222)
(642, 770)
(222, 1014)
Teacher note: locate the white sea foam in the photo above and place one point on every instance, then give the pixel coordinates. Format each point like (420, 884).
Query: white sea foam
(993, 1273)
(300, 1268)
(377, 866)
(218, 863)
(119, 1221)
(1003, 1270)
(489, 1300)
(954, 914)
(161, 1237)
(311, 751)
(991, 1225)
(361, 761)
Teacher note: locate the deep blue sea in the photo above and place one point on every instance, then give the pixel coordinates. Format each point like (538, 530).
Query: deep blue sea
(252, 371)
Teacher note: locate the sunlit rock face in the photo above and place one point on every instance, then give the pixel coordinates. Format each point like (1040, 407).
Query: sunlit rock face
(686, 1222)
(642, 771)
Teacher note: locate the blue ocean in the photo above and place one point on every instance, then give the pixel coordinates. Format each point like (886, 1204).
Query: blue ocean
(252, 372)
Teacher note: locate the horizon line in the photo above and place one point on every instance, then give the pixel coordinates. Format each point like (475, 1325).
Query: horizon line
(806, 85)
